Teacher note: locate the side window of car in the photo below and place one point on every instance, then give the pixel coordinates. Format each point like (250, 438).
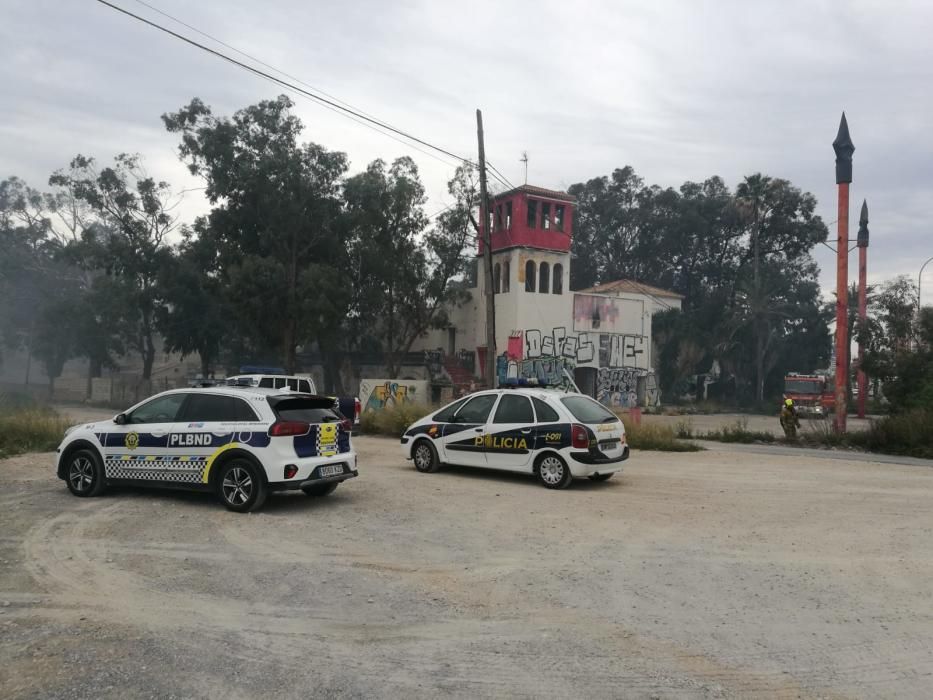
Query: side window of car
(266, 383)
(445, 415)
(305, 386)
(514, 409)
(160, 410)
(476, 410)
(212, 408)
(546, 414)
(293, 384)
(280, 382)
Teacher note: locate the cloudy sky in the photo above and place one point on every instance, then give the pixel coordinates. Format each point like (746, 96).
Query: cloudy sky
(679, 90)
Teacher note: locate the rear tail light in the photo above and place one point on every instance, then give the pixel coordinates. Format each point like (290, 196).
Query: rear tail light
(579, 438)
(346, 424)
(284, 428)
(290, 471)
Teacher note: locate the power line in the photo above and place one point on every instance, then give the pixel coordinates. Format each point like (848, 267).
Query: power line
(318, 98)
(298, 80)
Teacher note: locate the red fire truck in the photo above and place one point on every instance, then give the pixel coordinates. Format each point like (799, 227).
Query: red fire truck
(812, 393)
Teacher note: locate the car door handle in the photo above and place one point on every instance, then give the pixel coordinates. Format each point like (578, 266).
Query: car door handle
(477, 430)
(525, 432)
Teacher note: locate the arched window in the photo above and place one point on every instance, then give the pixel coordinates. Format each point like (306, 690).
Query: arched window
(544, 278)
(496, 275)
(506, 276)
(558, 286)
(530, 276)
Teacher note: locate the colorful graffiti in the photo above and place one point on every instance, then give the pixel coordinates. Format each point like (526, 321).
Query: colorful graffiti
(618, 387)
(377, 394)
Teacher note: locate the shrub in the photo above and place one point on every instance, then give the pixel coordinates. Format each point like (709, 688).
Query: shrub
(656, 437)
(393, 421)
(909, 433)
(30, 430)
(739, 432)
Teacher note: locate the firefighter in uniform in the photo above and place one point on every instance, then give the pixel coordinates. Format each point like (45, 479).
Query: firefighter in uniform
(790, 422)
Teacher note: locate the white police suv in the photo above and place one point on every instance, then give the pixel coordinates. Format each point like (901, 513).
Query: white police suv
(555, 435)
(239, 443)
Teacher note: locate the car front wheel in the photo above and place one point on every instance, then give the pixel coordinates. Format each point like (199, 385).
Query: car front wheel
(553, 472)
(240, 487)
(84, 475)
(425, 457)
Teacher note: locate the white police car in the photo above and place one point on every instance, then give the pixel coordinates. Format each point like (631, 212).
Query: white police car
(239, 443)
(555, 435)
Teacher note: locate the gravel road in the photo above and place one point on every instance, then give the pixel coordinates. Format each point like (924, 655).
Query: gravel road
(713, 574)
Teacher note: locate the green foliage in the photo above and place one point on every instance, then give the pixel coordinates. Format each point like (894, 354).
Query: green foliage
(393, 421)
(30, 430)
(741, 260)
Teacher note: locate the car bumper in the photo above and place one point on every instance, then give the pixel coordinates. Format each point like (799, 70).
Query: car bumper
(588, 464)
(309, 471)
(296, 483)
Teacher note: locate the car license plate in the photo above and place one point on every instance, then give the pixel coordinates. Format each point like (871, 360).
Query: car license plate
(331, 470)
(610, 445)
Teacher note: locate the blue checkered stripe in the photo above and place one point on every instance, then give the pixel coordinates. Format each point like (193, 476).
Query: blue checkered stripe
(177, 469)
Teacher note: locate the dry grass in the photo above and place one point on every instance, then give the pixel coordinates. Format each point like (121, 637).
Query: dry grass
(30, 430)
(395, 420)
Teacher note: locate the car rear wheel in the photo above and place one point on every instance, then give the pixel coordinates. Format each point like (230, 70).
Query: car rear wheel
(553, 472)
(240, 486)
(321, 489)
(425, 457)
(84, 475)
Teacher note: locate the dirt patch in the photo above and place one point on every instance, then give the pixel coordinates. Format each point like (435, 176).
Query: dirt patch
(714, 574)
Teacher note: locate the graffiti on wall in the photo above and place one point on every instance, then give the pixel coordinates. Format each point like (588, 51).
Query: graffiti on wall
(557, 343)
(618, 360)
(619, 386)
(377, 394)
(546, 370)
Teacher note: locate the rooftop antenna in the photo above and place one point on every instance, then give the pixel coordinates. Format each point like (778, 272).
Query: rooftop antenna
(524, 159)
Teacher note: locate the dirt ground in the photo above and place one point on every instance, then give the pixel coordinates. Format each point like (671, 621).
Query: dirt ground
(712, 574)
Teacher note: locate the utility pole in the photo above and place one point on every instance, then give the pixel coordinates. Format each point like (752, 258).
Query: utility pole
(524, 159)
(489, 291)
(862, 243)
(844, 149)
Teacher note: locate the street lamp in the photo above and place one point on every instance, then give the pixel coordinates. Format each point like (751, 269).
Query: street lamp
(919, 280)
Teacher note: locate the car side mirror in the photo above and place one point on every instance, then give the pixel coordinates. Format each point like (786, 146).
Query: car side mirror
(120, 419)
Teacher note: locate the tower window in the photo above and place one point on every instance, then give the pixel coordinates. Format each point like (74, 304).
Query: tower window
(506, 273)
(545, 216)
(508, 215)
(544, 278)
(558, 286)
(559, 217)
(530, 276)
(496, 276)
(532, 213)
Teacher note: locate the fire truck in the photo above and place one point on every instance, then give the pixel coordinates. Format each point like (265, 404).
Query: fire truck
(812, 393)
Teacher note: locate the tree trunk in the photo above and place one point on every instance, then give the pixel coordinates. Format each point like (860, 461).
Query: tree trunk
(288, 342)
(205, 365)
(759, 368)
(148, 357)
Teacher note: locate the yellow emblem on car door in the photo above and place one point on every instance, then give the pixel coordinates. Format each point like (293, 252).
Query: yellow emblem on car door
(132, 440)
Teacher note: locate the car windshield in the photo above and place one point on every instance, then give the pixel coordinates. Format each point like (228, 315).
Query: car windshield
(585, 410)
(802, 386)
(308, 410)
